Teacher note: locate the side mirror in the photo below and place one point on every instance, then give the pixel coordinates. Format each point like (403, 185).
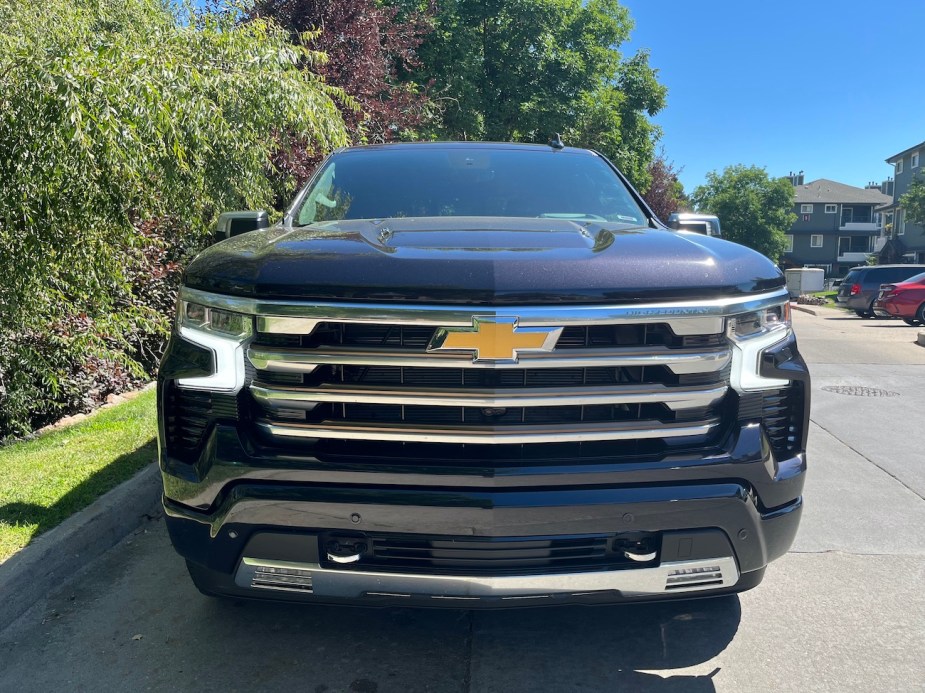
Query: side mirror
(235, 223)
(707, 224)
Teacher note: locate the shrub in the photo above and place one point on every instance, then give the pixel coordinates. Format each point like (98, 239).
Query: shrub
(127, 111)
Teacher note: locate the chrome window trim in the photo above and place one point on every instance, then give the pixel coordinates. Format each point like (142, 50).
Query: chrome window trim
(299, 317)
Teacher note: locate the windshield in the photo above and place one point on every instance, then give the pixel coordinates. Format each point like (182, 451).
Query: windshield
(439, 182)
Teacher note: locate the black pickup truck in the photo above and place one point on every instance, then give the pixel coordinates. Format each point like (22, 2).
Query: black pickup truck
(467, 374)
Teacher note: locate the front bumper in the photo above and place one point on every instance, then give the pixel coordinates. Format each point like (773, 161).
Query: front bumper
(726, 517)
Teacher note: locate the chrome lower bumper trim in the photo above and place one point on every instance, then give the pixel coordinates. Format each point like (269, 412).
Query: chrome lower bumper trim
(668, 578)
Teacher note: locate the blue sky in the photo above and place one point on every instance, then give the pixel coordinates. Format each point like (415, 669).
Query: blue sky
(832, 87)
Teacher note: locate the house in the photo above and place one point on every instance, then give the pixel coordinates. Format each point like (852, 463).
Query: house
(836, 225)
(901, 240)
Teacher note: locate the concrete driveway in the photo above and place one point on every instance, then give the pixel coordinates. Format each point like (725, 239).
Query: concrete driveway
(845, 610)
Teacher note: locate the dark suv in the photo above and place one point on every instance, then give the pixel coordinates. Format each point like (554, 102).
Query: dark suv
(861, 286)
(470, 374)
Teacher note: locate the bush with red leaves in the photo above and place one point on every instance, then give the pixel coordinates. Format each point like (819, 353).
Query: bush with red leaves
(370, 48)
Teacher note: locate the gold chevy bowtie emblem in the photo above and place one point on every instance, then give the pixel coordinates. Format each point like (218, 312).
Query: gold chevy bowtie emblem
(494, 338)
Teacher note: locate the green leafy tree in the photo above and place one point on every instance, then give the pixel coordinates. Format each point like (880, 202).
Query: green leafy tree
(522, 70)
(113, 112)
(913, 201)
(754, 210)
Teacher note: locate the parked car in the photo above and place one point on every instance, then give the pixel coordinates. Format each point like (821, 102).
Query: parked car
(904, 300)
(861, 286)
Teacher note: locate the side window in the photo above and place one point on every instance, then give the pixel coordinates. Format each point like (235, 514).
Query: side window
(905, 274)
(319, 200)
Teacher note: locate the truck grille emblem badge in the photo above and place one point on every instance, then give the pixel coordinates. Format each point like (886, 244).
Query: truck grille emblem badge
(494, 338)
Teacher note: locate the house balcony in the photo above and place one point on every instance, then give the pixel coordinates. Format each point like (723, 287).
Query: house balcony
(861, 227)
(853, 257)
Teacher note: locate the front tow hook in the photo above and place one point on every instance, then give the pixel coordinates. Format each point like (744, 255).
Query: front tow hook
(338, 552)
(640, 557)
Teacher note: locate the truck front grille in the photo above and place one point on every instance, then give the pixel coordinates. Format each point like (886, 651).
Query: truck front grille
(601, 382)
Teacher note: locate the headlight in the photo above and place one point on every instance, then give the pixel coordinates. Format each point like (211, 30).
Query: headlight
(223, 322)
(224, 334)
(750, 334)
(759, 322)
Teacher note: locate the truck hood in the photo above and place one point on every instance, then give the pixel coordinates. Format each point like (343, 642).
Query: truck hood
(480, 260)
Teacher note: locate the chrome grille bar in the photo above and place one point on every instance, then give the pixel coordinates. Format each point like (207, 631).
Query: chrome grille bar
(673, 397)
(492, 435)
(680, 361)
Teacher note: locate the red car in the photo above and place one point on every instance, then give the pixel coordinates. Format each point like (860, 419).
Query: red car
(904, 300)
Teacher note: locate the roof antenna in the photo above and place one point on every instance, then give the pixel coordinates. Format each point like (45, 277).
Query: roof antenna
(556, 142)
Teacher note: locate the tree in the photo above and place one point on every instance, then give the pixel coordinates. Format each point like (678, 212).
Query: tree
(913, 201)
(665, 193)
(754, 210)
(371, 49)
(124, 112)
(522, 70)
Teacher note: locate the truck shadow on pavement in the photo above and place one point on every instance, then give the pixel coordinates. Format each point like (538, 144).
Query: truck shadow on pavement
(133, 621)
(557, 648)
(599, 648)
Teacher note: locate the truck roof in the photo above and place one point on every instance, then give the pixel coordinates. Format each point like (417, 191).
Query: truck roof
(468, 145)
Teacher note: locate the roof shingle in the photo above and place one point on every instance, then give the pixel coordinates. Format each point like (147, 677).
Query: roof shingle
(830, 191)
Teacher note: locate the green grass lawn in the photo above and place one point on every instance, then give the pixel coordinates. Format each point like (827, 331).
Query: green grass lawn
(46, 480)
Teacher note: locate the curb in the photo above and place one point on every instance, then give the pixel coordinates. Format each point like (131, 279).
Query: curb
(802, 308)
(59, 553)
(921, 339)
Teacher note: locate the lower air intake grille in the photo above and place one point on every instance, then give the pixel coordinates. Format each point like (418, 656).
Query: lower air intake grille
(782, 418)
(189, 414)
(466, 556)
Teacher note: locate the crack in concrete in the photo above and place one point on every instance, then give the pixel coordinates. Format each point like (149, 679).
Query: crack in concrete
(467, 680)
(865, 457)
(859, 553)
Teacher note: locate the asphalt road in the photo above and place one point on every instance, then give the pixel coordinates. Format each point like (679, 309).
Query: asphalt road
(844, 611)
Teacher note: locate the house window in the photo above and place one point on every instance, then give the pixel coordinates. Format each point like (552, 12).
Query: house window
(914, 163)
(900, 223)
(789, 248)
(853, 244)
(815, 240)
(806, 209)
(899, 166)
(831, 209)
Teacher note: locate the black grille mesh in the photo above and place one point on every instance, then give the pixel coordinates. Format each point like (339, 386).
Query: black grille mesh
(190, 413)
(464, 555)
